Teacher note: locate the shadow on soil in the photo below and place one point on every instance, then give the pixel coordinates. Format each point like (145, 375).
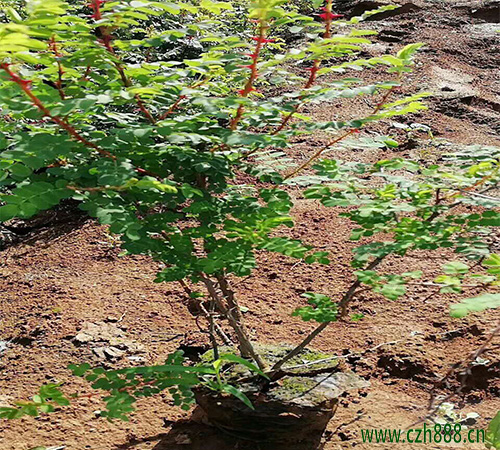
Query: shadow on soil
(44, 227)
(190, 435)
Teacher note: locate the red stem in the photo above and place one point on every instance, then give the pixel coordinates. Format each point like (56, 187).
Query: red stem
(144, 110)
(328, 17)
(261, 40)
(86, 74)
(377, 108)
(172, 107)
(53, 47)
(181, 97)
(106, 39)
(25, 86)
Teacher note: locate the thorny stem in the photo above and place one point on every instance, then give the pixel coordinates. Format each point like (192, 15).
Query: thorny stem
(319, 153)
(106, 36)
(386, 96)
(144, 110)
(314, 157)
(86, 73)
(25, 85)
(173, 107)
(106, 39)
(261, 40)
(181, 97)
(57, 54)
(328, 16)
(377, 108)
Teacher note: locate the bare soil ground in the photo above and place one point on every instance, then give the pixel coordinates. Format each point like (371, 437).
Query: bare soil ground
(71, 280)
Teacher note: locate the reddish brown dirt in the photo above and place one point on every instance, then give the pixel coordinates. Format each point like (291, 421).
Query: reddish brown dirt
(51, 287)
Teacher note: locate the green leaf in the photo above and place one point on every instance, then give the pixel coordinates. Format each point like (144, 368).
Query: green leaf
(451, 283)
(455, 268)
(407, 52)
(493, 263)
(10, 413)
(215, 7)
(153, 183)
(8, 212)
(238, 394)
(323, 309)
(475, 304)
(392, 290)
(493, 433)
(79, 369)
(20, 170)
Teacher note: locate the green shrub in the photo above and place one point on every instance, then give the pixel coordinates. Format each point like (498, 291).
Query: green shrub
(157, 148)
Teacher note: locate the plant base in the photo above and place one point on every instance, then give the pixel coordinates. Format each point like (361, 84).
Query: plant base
(292, 409)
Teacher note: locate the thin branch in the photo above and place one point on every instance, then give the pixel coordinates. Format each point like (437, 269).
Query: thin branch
(313, 158)
(106, 39)
(181, 97)
(173, 107)
(60, 70)
(328, 17)
(209, 316)
(275, 369)
(485, 179)
(234, 308)
(144, 110)
(368, 350)
(459, 202)
(25, 85)
(351, 292)
(211, 329)
(343, 307)
(486, 197)
(319, 153)
(261, 40)
(84, 77)
(243, 338)
(432, 408)
(217, 327)
(96, 188)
